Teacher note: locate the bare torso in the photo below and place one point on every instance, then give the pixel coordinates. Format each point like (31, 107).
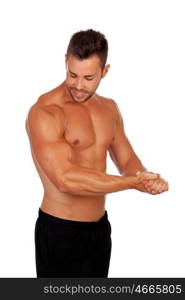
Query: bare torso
(89, 130)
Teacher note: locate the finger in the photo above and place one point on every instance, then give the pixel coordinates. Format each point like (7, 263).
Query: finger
(160, 183)
(166, 187)
(155, 183)
(152, 189)
(156, 187)
(150, 182)
(154, 192)
(149, 176)
(163, 188)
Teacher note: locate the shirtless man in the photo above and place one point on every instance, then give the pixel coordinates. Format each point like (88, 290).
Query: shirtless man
(70, 129)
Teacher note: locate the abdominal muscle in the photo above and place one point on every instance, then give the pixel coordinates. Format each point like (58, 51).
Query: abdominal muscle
(68, 206)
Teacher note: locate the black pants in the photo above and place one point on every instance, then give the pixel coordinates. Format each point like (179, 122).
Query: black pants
(66, 248)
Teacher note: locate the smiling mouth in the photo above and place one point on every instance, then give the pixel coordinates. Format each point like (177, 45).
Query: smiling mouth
(78, 94)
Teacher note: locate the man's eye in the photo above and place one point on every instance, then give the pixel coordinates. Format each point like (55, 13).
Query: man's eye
(89, 79)
(73, 76)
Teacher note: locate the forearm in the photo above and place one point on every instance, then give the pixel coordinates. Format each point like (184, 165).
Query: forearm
(89, 182)
(133, 167)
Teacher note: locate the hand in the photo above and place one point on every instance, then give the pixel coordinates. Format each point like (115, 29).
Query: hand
(157, 186)
(151, 183)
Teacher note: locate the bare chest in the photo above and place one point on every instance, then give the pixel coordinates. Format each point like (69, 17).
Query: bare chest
(89, 127)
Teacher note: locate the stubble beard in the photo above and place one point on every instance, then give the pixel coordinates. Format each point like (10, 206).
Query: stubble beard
(89, 95)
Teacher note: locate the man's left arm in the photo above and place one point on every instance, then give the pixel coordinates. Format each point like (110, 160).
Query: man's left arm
(126, 160)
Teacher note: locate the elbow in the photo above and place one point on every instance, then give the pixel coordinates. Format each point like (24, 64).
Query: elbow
(68, 186)
(62, 184)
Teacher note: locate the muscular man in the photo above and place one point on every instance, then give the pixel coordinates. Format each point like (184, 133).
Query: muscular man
(70, 129)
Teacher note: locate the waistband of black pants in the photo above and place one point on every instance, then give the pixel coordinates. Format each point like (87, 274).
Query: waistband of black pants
(84, 224)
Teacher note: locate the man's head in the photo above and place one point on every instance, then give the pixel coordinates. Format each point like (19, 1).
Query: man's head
(86, 63)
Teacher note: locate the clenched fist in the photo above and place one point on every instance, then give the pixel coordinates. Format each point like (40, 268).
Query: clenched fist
(151, 183)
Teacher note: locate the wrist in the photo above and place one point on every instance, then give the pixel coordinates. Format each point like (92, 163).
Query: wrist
(138, 172)
(132, 181)
(141, 171)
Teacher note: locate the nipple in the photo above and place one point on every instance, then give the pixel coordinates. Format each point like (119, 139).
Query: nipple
(76, 142)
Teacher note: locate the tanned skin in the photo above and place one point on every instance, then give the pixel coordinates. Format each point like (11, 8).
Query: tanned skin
(71, 129)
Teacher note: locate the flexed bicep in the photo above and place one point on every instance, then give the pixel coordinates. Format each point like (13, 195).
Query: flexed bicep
(52, 152)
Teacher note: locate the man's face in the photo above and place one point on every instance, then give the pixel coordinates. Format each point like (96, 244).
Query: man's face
(83, 76)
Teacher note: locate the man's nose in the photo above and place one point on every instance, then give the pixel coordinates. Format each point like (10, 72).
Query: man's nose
(79, 83)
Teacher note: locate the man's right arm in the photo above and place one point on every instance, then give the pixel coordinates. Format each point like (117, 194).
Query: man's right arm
(55, 156)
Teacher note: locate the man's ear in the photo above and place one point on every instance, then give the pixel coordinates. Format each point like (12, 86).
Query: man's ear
(105, 70)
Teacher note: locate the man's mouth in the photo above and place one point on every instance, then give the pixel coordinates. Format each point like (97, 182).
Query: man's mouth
(78, 94)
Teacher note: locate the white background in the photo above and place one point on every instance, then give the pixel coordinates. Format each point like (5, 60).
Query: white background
(146, 79)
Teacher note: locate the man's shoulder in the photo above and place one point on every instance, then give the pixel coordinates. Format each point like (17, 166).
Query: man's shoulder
(114, 108)
(43, 112)
(42, 109)
(48, 102)
(107, 101)
(46, 110)
(45, 121)
(110, 103)
(52, 97)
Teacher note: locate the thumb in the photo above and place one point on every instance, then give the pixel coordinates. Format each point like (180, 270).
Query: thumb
(151, 175)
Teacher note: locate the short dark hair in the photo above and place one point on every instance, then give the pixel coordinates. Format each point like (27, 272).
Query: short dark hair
(83, 44)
